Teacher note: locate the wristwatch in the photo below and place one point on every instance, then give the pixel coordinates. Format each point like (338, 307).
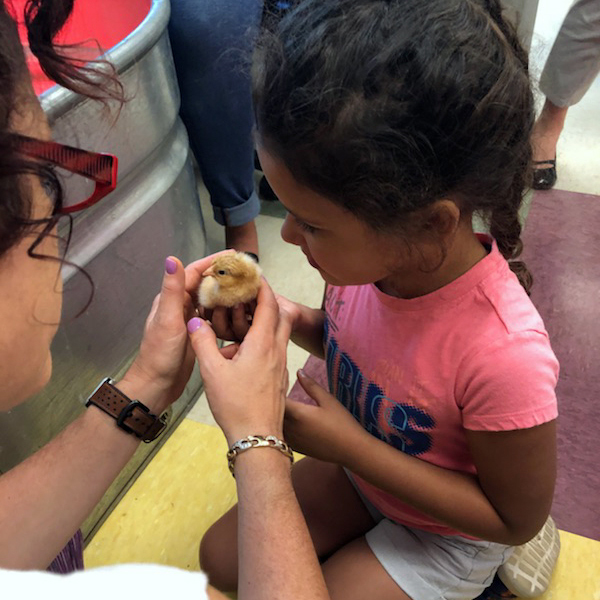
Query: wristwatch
(131, 415)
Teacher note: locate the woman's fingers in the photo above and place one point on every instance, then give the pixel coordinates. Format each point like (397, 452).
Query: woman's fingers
(172, 294)
(266, 315)
(204, 343)
(284, 327)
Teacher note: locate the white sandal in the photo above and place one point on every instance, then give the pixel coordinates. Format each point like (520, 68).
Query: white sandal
(527, 573)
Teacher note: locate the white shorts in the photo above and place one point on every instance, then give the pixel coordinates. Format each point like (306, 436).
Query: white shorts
(429, 566)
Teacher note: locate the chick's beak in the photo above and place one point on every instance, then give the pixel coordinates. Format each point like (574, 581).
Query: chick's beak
(210, 272)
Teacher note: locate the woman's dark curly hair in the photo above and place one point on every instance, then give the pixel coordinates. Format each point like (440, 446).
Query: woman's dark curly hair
(43, 19)
(385, 106)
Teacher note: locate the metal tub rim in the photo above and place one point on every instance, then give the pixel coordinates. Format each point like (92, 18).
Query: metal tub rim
(58, 100)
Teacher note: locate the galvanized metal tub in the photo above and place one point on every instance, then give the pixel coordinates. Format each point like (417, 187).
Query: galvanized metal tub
(121, 242)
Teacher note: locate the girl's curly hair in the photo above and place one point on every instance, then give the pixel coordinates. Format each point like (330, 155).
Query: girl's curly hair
(385, 106)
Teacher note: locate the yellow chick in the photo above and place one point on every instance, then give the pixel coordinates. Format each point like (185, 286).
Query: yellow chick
(231, 279)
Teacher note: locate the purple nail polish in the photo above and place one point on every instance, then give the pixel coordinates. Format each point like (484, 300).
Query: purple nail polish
(170, 266)
(194, 324)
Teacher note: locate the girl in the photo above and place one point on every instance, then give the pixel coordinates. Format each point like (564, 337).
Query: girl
(383, 127)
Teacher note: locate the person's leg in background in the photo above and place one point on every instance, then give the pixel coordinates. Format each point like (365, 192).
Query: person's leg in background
(572, 66)
(212, 42)
(522, 13)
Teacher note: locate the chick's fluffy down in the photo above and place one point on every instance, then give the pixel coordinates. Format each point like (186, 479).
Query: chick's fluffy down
(231, 279)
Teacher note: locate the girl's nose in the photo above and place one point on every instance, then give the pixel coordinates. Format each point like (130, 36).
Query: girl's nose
(290, 232)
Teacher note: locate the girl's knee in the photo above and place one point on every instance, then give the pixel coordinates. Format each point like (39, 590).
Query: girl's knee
(218, 554)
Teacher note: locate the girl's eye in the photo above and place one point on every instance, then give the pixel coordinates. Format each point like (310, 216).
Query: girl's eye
(306, 227)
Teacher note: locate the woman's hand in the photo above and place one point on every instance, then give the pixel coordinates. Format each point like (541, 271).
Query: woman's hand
(246, 385)
(325, 430)
(165, 361)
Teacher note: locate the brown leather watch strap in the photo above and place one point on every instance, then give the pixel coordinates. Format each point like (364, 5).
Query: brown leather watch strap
(131, 415)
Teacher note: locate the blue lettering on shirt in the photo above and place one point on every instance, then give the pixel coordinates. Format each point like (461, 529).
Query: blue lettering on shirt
(398, 424)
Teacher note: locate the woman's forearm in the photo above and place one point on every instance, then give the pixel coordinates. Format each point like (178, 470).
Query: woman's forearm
(46, 498)
(277, 558)
(309, 330)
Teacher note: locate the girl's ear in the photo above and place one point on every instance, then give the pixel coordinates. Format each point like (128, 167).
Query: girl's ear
(443, 219)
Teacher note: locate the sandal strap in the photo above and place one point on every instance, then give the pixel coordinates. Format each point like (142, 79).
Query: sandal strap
(551, 162)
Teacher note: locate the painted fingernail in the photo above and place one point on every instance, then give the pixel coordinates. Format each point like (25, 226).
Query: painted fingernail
(194, 324)
(301, 373)
(170, 266)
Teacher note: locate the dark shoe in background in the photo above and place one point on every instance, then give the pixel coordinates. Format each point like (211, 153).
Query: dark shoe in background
(544, 177)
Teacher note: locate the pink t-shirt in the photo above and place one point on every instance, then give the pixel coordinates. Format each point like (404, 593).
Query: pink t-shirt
(417, 373)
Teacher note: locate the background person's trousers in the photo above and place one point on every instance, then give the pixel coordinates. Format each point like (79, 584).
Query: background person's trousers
(212, 42)
(574, 60)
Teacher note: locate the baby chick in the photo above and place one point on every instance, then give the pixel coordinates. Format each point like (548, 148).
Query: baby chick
(231, 279)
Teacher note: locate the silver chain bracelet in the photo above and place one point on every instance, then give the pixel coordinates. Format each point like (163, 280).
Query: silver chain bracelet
(257, 441)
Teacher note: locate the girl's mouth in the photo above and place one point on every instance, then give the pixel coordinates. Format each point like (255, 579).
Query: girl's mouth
(311, 262)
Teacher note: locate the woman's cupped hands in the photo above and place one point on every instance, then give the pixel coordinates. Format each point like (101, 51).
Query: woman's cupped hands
(246, 382)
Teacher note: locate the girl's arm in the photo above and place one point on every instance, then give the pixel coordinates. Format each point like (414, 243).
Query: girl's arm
(507, 502)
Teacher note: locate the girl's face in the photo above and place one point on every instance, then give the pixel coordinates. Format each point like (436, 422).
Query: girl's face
(31, 295)
(344, 249)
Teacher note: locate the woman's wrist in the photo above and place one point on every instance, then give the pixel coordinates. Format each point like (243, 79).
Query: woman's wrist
(147, 392)
(102, 425)
(265, 460)
(240, 432)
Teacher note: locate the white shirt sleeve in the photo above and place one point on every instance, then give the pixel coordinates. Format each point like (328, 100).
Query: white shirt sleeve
(150, 582)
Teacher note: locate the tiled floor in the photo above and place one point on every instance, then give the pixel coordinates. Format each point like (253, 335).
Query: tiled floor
(187, 486)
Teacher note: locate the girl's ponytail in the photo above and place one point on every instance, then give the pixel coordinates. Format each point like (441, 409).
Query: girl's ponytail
(505, 228)
(494, 9)
(505, 225)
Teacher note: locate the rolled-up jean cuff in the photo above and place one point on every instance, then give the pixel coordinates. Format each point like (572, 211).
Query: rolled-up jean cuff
(238, 215)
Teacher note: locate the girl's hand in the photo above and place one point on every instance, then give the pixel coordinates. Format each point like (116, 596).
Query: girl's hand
(230, 324)
(246, 388)
(326, 431)
(164, 364)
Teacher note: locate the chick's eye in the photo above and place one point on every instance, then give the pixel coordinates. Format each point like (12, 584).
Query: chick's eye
(221, 272)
